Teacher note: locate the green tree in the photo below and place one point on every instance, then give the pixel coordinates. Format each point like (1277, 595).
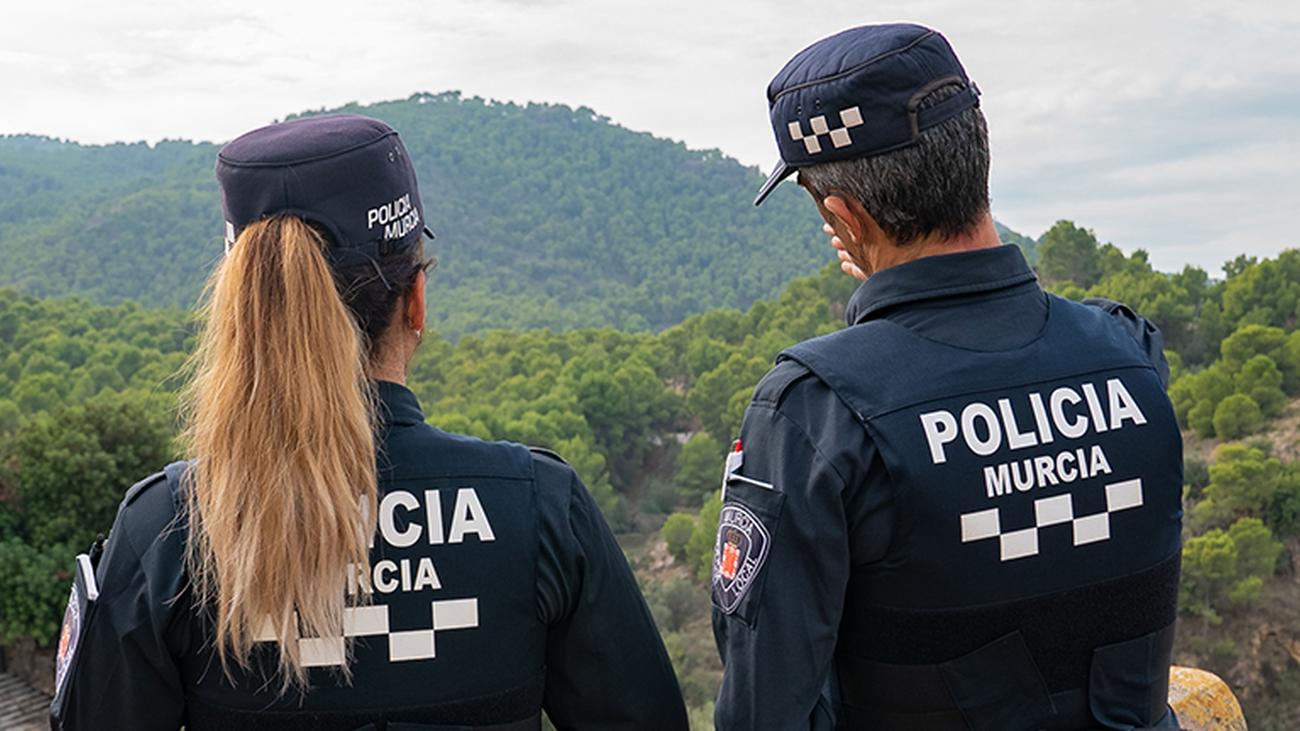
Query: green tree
(1236, 416)
(1283, 514)
(1260, 379)
(675, 602)
(699, 467)
(1068, 253)
(1234, 268)
(34, 585)
(1242, 482)
(711, 398)
(1221, 569)
(677, 532)
(1264, 293)
(624, 407)
(1257, 549)
(1181, 395)
(590, 466)
(74, 466)
(1207, 389)
(1196, 476)
(1252, 340)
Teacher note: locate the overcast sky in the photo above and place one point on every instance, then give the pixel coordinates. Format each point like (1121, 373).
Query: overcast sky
(1172, 126)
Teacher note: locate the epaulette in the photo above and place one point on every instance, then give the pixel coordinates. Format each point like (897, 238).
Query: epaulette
(779, 380)
(176, 479)
(173, 473)
(1145, 332)
(1111, 307)
(139, 487)
(547, 453)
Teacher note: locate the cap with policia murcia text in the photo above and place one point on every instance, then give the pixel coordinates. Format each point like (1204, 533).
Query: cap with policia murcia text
(857, 94)
(348, 173)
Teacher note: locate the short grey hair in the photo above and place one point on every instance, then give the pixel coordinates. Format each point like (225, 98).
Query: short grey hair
(939, 185)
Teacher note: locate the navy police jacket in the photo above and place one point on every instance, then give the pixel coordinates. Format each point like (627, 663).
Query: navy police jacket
(498, 592)
(960, 512)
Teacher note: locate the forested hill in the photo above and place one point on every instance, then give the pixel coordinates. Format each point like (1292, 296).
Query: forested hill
(545, 216)
(111, 223)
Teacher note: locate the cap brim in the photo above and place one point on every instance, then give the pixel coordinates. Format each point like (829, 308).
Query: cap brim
(781, 172)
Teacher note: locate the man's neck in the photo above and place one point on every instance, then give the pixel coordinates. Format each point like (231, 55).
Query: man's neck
(985, 236)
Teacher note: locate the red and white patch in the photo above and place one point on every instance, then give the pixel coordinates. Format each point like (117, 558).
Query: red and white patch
(68, 637)
(730, 560)
(738, 555)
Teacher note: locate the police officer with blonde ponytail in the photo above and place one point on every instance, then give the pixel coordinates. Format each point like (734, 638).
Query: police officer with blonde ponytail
(326, 559)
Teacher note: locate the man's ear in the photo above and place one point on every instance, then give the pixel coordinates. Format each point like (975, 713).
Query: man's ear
(860, 225)
(415, 303)
(848, 213)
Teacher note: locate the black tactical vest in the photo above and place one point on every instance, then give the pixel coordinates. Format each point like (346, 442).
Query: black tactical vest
(452, 637)
(1032, 578)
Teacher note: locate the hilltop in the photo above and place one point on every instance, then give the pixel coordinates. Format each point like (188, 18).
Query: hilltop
(546, 216)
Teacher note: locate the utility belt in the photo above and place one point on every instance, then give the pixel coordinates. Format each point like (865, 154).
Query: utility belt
(998, 687)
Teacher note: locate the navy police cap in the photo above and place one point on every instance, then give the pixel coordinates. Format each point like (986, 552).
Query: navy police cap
(855, 94)
(347, 173)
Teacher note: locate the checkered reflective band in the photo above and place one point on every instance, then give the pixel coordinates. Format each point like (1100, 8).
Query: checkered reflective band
(849, 118)
(373, 621)
(1051, 511)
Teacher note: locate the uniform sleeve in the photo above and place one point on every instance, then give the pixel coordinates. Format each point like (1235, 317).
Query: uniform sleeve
(123, 675)
(805, 504)
(606, 667)
(1143, 331)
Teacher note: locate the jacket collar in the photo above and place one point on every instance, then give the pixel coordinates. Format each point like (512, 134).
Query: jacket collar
(933, 277)
(396, 405)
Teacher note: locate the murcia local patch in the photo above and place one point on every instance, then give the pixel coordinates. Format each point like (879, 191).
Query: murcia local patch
(68, 637)
(738, 555)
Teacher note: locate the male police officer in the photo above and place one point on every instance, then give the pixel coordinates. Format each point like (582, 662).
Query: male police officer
(962, 511)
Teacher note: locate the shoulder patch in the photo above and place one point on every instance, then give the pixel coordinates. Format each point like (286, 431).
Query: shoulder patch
(738, 555)
(80, 600)
(68, 637)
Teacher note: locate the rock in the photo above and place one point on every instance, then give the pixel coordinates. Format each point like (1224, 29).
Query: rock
(1203, 702)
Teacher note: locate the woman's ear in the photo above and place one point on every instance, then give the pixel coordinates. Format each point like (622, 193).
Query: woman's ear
(415, 304)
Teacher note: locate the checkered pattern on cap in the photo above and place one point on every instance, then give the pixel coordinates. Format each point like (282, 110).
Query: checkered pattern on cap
(332, 170)
(855, 94)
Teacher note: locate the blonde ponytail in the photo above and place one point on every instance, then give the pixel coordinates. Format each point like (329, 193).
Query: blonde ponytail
(281, 421)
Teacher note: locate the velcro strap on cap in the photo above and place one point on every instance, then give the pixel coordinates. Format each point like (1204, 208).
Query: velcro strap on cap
(932, 116)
